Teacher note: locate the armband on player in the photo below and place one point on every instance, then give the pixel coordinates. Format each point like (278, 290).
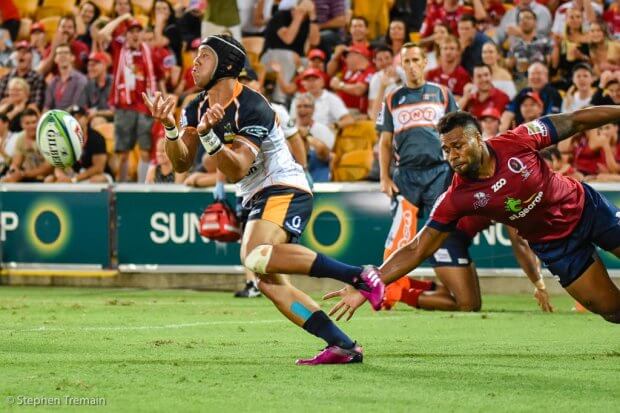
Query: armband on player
(210, 142)
(172, 134)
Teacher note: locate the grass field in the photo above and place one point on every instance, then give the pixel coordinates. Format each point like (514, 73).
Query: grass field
(184, 351)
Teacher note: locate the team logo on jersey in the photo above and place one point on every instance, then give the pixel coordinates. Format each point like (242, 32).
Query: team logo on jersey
(520, 208)
(536, 128)
(417, 115)
(229, 135)
(517, 166)
(257, 131)
(481, 200)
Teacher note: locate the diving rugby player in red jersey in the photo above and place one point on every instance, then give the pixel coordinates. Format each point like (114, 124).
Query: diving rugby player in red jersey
(506, 179)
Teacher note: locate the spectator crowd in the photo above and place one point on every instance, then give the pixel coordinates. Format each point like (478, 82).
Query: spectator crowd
(327, 64)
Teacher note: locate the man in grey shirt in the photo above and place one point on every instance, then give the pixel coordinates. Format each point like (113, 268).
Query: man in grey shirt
(508, 25)
(67, 86)
(95, 96)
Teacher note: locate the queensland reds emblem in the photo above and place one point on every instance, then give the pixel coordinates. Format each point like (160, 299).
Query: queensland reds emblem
(517, 166)
(481, 200)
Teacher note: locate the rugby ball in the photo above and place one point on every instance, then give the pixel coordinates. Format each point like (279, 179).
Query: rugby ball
(60, 138)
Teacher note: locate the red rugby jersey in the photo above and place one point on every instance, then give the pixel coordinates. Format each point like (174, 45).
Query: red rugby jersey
(523, 193)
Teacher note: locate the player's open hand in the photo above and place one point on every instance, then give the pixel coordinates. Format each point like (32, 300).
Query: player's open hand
(542, 297)
(162, 109)
(212, 117)
(350, 301)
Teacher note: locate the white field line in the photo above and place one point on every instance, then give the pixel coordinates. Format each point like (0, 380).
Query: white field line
(44, 329)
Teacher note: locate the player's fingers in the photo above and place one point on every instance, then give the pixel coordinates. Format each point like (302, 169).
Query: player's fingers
(343, 311)
(147, 102)
(169, 105)
(335, 308)
(218, 109)
(351, 312)
(331, 294)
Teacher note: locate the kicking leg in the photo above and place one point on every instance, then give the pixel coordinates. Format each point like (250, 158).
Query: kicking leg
(267, 257)
(296, 305)
(597, 292)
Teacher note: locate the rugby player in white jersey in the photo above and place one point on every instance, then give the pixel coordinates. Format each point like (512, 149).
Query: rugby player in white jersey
(238, 128)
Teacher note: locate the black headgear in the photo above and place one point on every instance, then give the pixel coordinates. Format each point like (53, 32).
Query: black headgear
(230, 57)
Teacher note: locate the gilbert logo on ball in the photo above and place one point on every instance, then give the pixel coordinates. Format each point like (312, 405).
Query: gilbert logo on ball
(60, 138)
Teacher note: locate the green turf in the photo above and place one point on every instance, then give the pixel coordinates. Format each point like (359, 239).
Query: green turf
(180, 351)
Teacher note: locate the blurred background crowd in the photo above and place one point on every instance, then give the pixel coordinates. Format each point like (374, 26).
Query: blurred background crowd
(325, 64)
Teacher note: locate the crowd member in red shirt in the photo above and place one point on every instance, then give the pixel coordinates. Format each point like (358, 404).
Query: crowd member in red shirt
(481, 94)
(135, 72)
(612, 17)
(66, 33)
(448, 12)
(316, 60)
(450, 73)
(352, 86)
(489, 122)
(9, 17)
(165, 59)
(123, 13)
(186, 84)
(556, 162)
(506, 179)
(358, 33)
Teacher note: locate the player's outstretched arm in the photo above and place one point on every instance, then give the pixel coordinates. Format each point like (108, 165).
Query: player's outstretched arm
(180, 151)
(410, 256)
(405, 259)
(528, 262)
(568, 124)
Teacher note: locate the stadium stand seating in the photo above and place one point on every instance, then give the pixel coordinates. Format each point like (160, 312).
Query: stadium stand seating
(353, 151)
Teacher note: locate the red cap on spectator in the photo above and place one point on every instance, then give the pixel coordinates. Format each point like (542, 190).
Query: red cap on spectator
(23, 44)
(133, 23)
(312, 72)
(100, 57)
(359, 49)
(316, 54)
(195, 44)
(490, 113)
(199, 5)
(534, 96)
(37, 27)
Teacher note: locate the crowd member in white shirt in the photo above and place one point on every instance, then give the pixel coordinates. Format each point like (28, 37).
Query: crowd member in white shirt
(318, 137)
(329, 108)
(383, 82)
(590, 11)
(579, 94)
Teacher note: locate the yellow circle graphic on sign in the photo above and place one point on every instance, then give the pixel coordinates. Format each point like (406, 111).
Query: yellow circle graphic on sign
(57, 245)
(343, 237)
